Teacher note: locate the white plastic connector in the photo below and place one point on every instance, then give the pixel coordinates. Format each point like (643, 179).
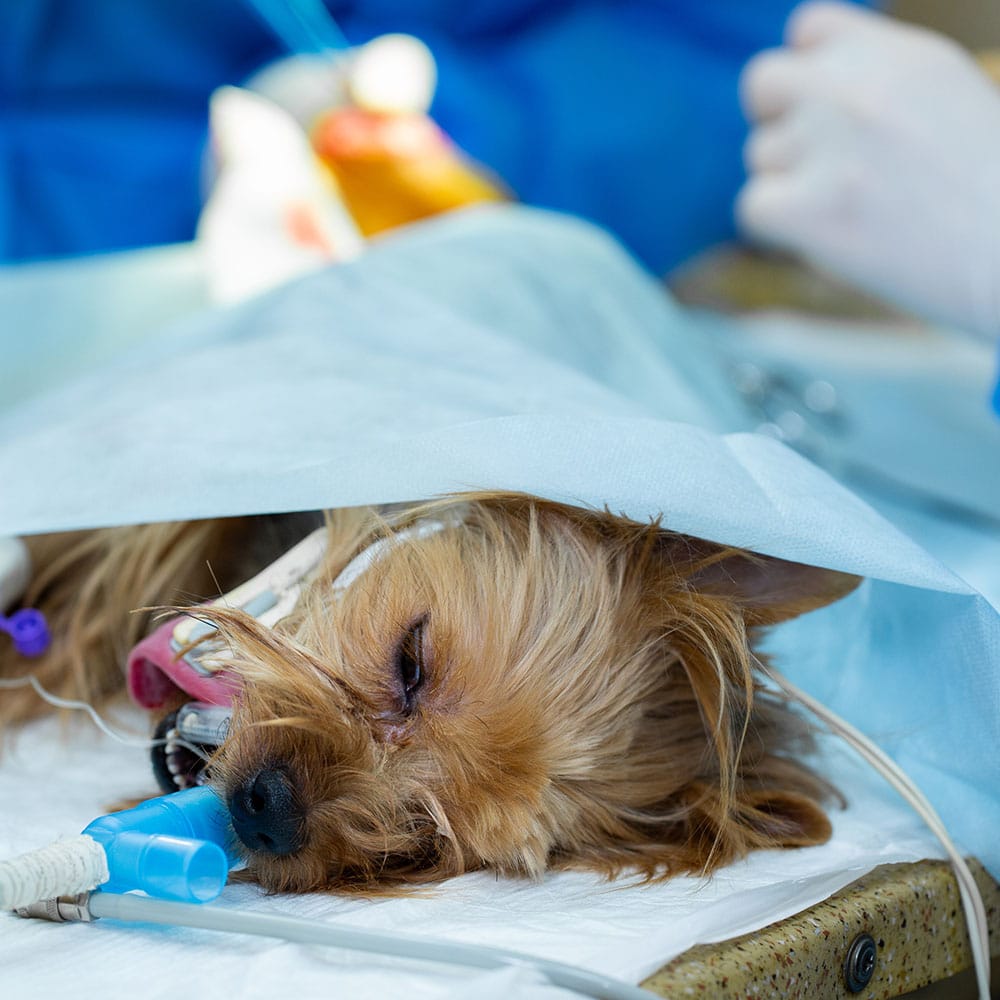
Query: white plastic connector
(15, 571)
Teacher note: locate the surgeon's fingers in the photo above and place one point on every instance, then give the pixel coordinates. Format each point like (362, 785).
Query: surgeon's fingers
(771, 148)
(818, 21)
(772, 208)
(771, 83)
(812, 131)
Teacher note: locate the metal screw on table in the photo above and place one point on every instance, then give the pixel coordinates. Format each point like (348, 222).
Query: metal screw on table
(859, 966)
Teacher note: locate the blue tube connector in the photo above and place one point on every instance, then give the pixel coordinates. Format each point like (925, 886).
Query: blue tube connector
(178, 846)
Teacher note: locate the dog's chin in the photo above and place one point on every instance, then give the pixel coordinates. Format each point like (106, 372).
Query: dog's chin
(342, 869)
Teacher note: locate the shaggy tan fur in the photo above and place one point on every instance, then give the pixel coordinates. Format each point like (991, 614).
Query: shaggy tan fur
(587, 694)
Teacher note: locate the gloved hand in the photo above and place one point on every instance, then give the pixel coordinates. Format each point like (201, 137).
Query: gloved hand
(876, 154)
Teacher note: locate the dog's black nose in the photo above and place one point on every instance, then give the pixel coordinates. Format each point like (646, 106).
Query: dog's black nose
(267, 815)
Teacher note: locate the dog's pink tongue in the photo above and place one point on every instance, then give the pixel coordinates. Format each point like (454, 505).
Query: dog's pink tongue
(155, 674)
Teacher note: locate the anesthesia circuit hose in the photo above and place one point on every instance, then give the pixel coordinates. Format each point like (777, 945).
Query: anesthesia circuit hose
(179, 846)
(132, 907)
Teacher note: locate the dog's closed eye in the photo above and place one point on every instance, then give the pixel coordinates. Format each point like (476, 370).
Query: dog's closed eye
(410, 662)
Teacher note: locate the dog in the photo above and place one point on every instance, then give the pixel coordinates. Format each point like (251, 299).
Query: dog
(531, 686)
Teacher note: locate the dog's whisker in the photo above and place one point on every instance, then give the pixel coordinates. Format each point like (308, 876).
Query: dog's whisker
(289, 722)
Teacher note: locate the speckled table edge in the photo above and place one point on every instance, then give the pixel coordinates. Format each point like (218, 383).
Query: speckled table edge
(911, 912)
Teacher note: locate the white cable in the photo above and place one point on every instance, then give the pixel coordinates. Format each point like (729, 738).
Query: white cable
(31, 681)
(158, 911)
(65, 868)
(55, 701)
(972, 901)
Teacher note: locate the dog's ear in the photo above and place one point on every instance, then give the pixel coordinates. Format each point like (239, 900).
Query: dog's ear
(706, 833)
(756, 819)
(767, 589)
(783, 819)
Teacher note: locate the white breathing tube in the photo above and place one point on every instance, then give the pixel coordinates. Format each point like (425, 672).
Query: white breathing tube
(131, 907)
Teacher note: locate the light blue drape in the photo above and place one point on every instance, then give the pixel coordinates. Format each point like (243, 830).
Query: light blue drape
(522, 351)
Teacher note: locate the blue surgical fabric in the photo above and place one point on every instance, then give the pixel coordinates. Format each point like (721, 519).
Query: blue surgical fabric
(516, 350)
(625, 113)
(996, 391)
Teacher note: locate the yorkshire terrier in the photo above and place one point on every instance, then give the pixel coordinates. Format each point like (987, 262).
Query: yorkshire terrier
(527, 686)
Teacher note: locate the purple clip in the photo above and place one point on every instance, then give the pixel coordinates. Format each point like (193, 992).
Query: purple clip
(29, 631)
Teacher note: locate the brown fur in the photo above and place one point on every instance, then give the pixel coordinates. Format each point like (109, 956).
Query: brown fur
(589, 699)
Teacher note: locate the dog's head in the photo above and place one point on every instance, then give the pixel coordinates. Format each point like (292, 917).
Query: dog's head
(530, 686)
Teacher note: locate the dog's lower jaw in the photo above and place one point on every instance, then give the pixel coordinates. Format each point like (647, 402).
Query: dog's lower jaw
(176, 767)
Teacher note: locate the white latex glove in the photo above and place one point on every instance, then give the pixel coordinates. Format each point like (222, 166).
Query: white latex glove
(272, 214)
(876, 154)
